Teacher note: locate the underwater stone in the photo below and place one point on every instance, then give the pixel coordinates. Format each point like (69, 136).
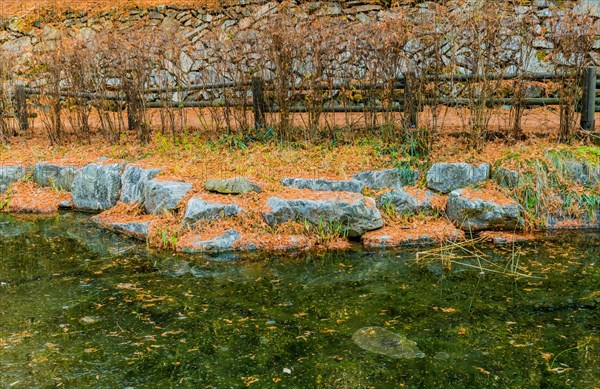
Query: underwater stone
(137, 230)
(381, 341)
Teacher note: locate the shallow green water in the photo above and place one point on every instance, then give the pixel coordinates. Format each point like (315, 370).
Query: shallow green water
(80, 307)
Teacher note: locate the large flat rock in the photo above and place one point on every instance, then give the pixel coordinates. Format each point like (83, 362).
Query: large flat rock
(164, 196)
(446, 177)
(321, 184)
(133, 180)
(198, 209)
(484, 210)
(54, 176)
(96, 187)
(354, 215)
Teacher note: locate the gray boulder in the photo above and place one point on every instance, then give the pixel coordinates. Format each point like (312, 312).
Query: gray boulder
(9, 175)
(403, 202)
(198, 209)
(354, 216)
(446, 177)
(235, 185)
(221, 243)
(388, 178)
(133, 180)
(582, 173)
(137, 230)
(473, 213)
(320, 184)
(96, 187)
(54, 176)
(163, 196)
(506, 177)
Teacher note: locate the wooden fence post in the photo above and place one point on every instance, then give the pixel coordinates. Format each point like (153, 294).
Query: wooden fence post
(258, 102)
(588, 103)
(21, 108)
(411, 110)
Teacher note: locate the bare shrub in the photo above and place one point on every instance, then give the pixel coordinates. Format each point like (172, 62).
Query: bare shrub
(7, 88)
(517, 55)
(79, 70)
(50, 66)
(282, 43)
(573, 35)
(232, 61)
(481, 36)
(317, 71)
(434, 60)
(127, 60)
(169, 78)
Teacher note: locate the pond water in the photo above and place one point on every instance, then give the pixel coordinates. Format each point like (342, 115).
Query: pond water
(80, 307)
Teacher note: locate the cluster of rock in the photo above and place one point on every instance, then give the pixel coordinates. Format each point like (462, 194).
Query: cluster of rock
(332, 206)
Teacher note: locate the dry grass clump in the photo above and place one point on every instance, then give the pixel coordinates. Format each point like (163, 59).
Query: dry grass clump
(26, 197)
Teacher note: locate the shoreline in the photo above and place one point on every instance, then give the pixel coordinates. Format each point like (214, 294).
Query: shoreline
(383, 208)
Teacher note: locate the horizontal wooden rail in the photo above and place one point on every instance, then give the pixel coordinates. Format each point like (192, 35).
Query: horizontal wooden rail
(85, 95)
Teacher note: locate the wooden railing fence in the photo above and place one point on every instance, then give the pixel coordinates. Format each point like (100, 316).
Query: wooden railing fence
(588, 104)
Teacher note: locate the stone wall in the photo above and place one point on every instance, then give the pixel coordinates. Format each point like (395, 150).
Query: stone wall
(205, 40)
